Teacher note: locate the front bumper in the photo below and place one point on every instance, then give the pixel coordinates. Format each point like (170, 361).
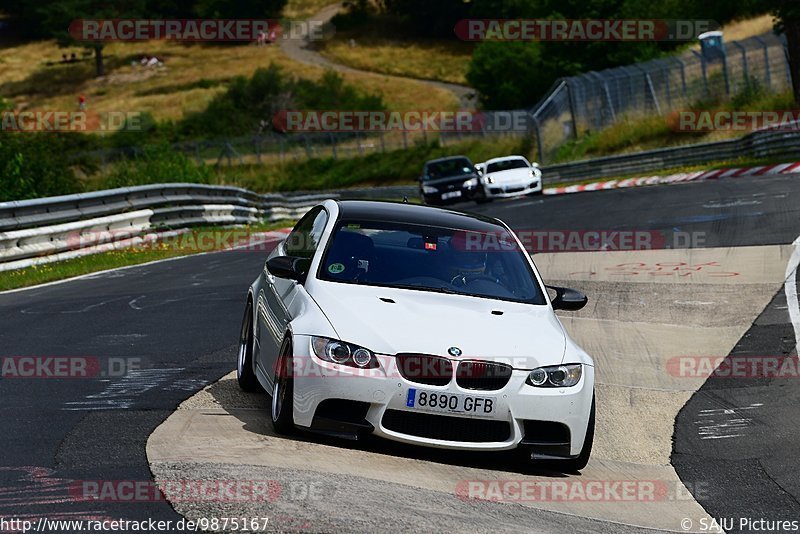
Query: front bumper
(446, 196)
(524, 409)
(513, 190)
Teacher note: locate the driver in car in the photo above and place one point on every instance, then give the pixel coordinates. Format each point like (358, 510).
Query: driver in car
(468, 261)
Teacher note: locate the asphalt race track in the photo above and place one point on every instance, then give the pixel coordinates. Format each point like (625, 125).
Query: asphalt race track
(175, 326)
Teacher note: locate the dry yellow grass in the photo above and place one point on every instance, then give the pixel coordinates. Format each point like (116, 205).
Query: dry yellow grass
(742, 29)
(302, 9)
(432, 60)
(166, 92)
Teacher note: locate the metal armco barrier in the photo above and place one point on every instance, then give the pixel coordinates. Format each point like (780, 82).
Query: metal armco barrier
(783, 144)
(50, 229)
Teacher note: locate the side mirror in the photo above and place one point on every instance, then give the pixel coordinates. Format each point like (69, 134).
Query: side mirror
(568, 299)
(289, 267)
(535, 165)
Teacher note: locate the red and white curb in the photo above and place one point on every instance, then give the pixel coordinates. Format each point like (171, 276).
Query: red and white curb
(780, 168)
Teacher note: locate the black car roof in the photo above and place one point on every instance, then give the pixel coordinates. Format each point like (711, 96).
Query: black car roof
(448, 158)
(376, 210)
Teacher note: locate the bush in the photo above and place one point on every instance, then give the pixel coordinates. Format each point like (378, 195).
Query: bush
(33, 165)
(157, 165)
(504, 74)
(240, 109)
(250, 104)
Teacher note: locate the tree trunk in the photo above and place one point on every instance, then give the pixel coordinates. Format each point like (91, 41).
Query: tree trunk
(792, 31)
(99, 67)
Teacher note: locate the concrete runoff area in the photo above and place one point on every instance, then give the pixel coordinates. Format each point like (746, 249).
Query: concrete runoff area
(635, 327)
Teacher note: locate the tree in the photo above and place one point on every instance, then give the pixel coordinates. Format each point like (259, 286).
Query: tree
(231, 9)
(56, 18)
(506, 74)
(787, 21)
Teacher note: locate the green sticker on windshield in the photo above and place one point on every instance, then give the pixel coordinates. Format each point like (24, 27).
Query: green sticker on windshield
(336, 268)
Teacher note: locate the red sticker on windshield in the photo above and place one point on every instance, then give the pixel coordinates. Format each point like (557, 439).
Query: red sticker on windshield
(430, 246)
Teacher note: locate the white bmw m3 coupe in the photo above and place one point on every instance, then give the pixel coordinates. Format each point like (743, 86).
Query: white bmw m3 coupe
(421, 325)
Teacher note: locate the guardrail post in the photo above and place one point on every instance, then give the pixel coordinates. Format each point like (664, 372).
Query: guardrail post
(706, 91)
(539, 143)
(725, 72)
(333, 145)
(786, 66)
(745, 70)
(606, 93)
(767, 73)
(683, 75)
(571, 98)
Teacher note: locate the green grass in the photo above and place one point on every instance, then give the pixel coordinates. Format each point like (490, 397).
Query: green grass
(379, 169)
(180, 246)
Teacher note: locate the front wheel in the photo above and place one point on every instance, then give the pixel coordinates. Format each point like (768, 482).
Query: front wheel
(576, 464)
(481, 197)
(283, 392)
(245, 374)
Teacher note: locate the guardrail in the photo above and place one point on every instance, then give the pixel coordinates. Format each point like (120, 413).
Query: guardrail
(55, 228)
(758, 144)
(51, 229)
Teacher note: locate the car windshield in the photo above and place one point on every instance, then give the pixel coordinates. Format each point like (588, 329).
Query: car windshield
(429, 258)
(448, 168)
(506, 164)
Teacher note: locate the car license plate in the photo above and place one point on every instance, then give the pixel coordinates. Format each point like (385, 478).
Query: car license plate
(451, 194)
(453, 403)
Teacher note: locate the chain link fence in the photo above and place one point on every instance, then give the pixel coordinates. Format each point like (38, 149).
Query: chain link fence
(573, 106)
(596, 100)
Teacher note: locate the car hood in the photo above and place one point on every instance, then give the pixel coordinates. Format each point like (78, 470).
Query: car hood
(511, 175)
(525, 336)
(458, 179)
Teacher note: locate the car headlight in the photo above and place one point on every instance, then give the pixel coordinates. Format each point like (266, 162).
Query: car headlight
(472, 182)
(555, 376)
(335, 351)
(489, 180)
(535, 173)
(429, 190)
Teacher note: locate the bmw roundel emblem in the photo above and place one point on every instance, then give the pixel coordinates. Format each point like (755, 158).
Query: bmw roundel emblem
(454, 351)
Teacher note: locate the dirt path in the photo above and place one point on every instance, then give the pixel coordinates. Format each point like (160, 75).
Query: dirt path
(300, 51)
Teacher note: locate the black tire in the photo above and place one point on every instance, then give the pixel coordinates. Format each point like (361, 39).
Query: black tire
(245, 373)
(480, 196)
(576, 464)
(282, 404)
(538, 193)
